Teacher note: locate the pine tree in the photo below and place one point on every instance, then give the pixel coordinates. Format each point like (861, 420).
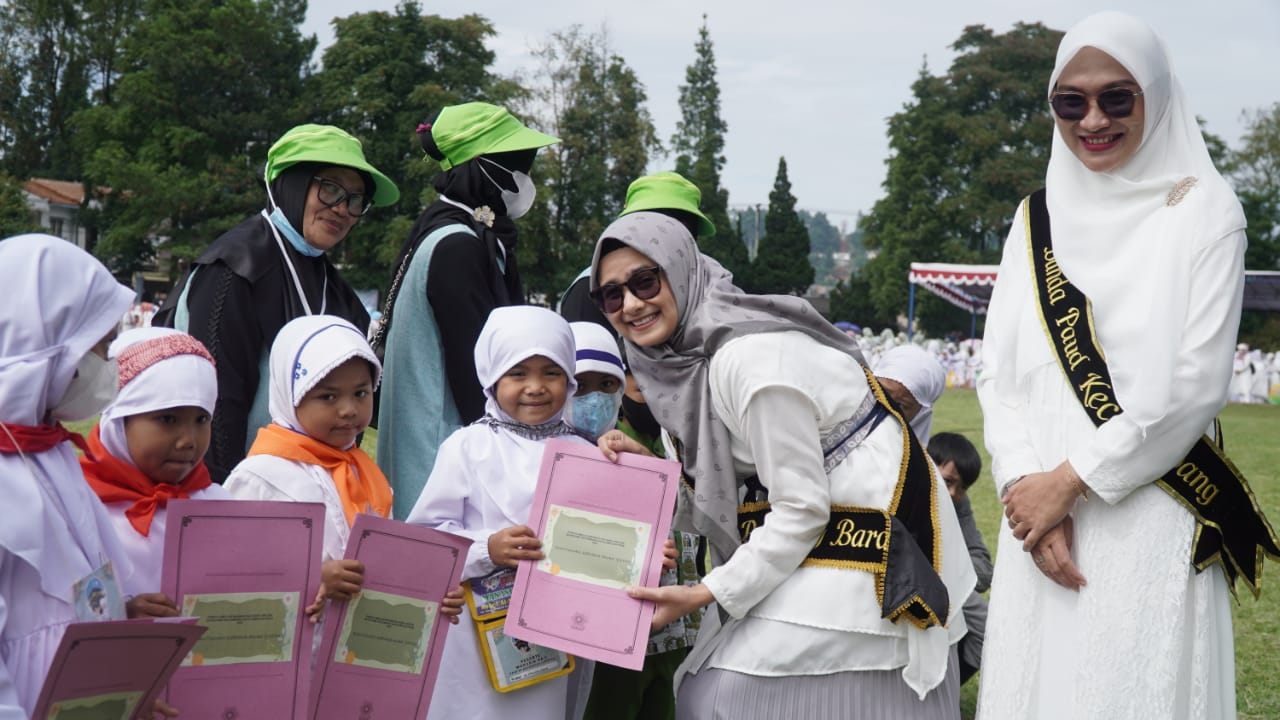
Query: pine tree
(699, 144)
(782, 262)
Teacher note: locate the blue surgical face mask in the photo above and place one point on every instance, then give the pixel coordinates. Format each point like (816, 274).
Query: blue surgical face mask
(594, 413)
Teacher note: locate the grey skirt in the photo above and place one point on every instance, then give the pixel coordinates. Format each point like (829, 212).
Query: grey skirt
(714, 694)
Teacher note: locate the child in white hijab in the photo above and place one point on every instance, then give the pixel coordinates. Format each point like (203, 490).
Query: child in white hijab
(323, 374)
(482, 488)
(915, 380)
(61, 308)
(598, 369)
(148, 448)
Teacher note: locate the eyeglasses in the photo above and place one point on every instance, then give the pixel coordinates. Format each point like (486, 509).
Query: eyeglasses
(643, 283)
(332, 194)
(1115, 103)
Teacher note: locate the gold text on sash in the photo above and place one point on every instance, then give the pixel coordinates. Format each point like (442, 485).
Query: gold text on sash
(848, 534)
(1191, 474)
(1097, 397)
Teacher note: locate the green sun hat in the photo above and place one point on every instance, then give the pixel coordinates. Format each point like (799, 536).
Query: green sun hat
(667, 191)
(331, 146)
(464, 132)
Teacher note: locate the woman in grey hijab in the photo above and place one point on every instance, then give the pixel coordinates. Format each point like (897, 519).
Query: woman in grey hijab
(832, 580)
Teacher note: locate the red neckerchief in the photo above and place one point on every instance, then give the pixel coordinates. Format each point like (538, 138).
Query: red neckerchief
(37, 438)
(115, 480)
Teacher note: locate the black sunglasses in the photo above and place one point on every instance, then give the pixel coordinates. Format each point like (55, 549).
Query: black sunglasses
(643, 283)
(331, 194)
(1116, 103)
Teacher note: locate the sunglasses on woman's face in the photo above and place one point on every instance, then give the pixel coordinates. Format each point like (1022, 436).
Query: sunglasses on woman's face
(332, 194)
(1116, 103)
(643, 283)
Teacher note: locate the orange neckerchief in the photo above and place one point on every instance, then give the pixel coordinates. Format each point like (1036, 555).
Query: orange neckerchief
(117, 481)
(365, 488)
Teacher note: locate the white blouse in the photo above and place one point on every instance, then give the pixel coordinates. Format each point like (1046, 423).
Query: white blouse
(779, 394)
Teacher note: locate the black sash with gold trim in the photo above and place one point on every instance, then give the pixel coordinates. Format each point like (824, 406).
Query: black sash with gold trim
(902, 546)
(1230, 528)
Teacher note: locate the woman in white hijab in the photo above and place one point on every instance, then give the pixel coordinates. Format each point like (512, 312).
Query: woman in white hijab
(61, 308)
(1112, 621)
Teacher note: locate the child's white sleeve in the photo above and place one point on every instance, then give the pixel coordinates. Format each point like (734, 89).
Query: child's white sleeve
(9, 707)
(443, 506)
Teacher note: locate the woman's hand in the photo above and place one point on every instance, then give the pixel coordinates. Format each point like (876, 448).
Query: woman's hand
(673, 601)
(616, 441)
(509, 546)
(1038, 502)
(1053, 556)
(454, 601)
(155, 605)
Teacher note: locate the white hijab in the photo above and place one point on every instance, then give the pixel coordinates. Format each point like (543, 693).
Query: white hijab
(513, 334)
(1116, 235)
(59, 302)
(170, 379)
(306, 350)
(922, 376)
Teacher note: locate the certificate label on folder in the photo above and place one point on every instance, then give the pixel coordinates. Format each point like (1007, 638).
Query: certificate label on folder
(602, 527)
(381, 650)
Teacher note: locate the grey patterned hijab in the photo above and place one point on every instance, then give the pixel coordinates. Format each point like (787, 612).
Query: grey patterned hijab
(673, 376)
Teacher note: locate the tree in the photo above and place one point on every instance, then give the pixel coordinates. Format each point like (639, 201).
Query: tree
(699, 146)
(205, 87)
(46, 81)
(1255, 173)
(969, 146)
(1254, 170)
(15, 216)
(824, 242)
(595, 104)
(384, 73)
(782, 262)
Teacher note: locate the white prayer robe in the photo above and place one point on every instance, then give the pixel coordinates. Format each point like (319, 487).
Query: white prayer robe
(482, 482)
(1147, 638)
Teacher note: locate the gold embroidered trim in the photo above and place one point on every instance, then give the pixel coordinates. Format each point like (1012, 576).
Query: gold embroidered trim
(1180, 190)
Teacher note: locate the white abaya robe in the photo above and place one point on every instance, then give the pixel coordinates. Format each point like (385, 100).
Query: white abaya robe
(1148, 638)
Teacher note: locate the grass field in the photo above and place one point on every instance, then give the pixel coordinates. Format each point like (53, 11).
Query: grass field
(1252, 435)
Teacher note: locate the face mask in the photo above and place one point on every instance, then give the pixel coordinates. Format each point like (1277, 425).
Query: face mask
(91, 391)
(518, 202)
(638, 416)
(594, 413)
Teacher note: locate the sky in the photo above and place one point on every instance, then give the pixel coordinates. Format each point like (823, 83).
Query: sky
(816, 82)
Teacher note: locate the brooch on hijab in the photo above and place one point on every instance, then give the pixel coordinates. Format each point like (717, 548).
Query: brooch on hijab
(485, 215)
(1180, 191)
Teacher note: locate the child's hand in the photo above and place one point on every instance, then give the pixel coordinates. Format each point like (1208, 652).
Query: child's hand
(453, 603)
(161, 708)
(341, 579)
(146, 605)
(315, 611)
(616, 441)
(669, 554)
(509, 546)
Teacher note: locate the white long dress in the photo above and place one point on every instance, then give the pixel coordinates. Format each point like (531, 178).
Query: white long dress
(1147, 638)
(482, 482)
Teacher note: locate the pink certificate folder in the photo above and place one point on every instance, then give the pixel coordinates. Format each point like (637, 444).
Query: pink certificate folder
(248, 569)
(112, 669)
(602, 526)
(381, 651)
